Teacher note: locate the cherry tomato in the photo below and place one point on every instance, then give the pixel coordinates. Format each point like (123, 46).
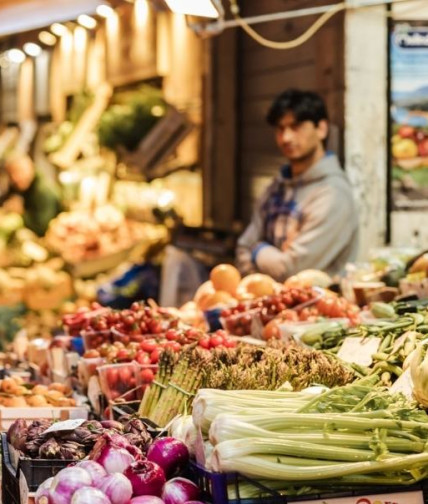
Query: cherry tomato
(122, 355)
(143, 358)
(154, 356)
(204, 342)
(148, 345)
(147, 375)
(125, 375)
(216, 341)
(173, 345)
(171, 335)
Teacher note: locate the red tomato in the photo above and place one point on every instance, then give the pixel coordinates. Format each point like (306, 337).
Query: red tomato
(148, 345)
(216, 341)
(122, 355)
(154, 356)
(112, 377)
(147, 375)
(204, 342)
(171, 335)
(125, 374)
(155, 327)
(143, 358)
(229, 343)
(173, 345)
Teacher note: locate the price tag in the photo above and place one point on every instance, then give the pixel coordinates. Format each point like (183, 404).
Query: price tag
(395, 498)
(67, 425)
(357, 350)
(403, 384)
(23, 488)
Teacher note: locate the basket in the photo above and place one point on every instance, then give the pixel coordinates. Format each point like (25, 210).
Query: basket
(94, 339)
(126, 380)
(34, 471)
(215, 489)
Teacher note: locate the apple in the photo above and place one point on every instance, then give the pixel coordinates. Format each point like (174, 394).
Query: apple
(406, 131)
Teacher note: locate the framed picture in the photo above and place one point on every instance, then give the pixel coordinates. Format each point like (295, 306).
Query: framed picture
(409, 116)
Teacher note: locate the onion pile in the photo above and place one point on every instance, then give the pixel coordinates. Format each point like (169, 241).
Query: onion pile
(118, 473)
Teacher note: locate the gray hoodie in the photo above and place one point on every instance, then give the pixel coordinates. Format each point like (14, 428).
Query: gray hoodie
(309, 221)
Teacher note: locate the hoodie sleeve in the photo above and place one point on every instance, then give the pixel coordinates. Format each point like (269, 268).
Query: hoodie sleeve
(252, 235)
(328, 226)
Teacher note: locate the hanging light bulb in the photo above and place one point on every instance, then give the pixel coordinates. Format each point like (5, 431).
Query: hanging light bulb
(105, 11)
(47, 38)
(16, 56)
(59, 29)
(87, 21)
(32, 49)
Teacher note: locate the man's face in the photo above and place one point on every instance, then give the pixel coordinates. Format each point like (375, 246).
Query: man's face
(299, 140)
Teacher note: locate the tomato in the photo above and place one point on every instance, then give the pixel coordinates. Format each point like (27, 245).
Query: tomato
(155, 327)
(148, 345)
(204, 342)
(147, 375)
(229, 343)
(154, 356)
(125, 374)
(173, 345)
(171, 335)
(216, 341)
(123, 355)
(112, 377)
(143, 358)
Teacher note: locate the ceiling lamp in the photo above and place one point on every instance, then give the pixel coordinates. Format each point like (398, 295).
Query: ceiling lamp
(15, 56)
(32, 49)
(105, 11)
(202, 8)
(47, 38)
(87, 21)
(59, 29)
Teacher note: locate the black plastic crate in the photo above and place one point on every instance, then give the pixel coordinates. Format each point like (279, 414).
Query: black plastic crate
(9, 481)
(35, 471)
(215, 489)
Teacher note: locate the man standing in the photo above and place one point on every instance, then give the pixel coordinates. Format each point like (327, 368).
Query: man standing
(307, 217)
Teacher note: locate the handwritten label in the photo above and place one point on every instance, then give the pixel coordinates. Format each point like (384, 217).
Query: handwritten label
(395, 498)
(66, 425)
(359, 350)
(403, 384)
(23, 488)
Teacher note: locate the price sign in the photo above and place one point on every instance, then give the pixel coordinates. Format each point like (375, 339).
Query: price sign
(394, 498)
(67, 425)
(357, 350)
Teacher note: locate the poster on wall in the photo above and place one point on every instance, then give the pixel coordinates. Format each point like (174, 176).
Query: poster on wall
(409, 116)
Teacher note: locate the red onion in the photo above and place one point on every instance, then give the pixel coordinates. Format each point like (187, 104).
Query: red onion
(89, 495)
(43, 494)
(117, 487)
(111, 456)
(146, 478)
(179, 491)
(146, 499)
(95, 470)
(67, 481)
(170, 454)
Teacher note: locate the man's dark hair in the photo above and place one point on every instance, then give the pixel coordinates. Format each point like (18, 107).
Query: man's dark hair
(305, 105)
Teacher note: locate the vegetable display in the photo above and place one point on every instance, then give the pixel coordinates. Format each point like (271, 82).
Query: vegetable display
(350, 435)
(119, 473)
